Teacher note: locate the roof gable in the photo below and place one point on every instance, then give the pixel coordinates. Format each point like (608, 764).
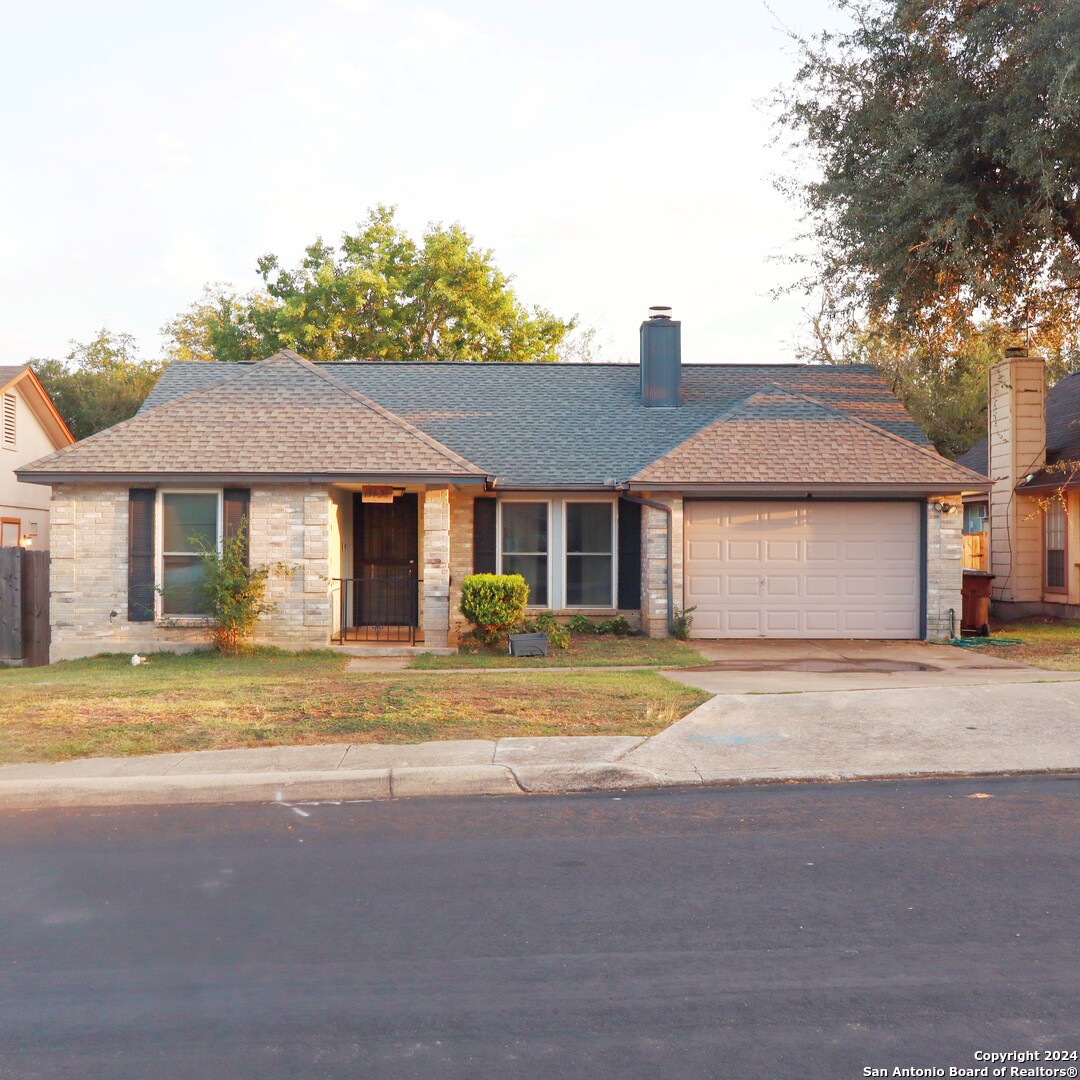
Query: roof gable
(22, 378)
(283, 416)
(776, 436)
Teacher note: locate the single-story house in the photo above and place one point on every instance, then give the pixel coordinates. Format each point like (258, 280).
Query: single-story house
(1027, 530)
(30, 427)
(775, 500)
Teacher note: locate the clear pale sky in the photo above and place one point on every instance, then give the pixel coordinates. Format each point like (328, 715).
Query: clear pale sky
(612, 154)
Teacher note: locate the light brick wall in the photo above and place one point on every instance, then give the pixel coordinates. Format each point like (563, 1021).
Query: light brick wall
(435, 617)
(944, 566)
(461, 555)
(1017, 447)
(89, 572)
(655, 617)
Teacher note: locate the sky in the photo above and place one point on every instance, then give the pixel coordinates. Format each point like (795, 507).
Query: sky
(613, 155)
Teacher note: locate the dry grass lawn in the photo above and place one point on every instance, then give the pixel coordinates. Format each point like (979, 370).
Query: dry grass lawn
(104, 707)
(1048, 643)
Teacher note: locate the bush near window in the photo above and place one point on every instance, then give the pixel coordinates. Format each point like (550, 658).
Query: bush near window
(235, 592)
(546, 623)
(582, 624)
(494, 604)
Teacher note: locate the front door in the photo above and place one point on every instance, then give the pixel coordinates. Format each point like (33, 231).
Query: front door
(385, 552)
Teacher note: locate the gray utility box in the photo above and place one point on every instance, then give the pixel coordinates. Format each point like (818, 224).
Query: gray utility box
(528, 644)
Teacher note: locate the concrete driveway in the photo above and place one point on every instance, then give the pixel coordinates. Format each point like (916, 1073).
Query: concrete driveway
(782, 666)
(825, 710)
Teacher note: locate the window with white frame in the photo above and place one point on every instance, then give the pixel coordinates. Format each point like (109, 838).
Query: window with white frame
(590, 554)
(1054, 527)
(523, 546)
(190, 525)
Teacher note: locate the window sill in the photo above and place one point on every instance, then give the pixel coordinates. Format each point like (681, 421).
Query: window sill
(182, 621)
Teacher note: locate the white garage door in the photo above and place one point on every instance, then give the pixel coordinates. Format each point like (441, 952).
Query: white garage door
(807, 569)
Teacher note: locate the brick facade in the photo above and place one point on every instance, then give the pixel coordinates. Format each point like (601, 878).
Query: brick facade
(655, 617)
(89, 573)
(944, 565)
(435, 553)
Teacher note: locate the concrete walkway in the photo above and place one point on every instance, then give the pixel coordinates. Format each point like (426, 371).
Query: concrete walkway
(782, 712)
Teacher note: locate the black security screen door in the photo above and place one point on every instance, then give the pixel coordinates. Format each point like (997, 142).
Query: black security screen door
(385, 550)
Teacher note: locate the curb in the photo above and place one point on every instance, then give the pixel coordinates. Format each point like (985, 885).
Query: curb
(374, 785)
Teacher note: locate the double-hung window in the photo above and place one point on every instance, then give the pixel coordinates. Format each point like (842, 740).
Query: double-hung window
(590, 546)
(1054, 526)
(190, 526)
(524, 546)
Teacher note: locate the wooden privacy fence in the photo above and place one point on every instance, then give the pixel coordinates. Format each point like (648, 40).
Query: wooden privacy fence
(975, 551)
(24, 607)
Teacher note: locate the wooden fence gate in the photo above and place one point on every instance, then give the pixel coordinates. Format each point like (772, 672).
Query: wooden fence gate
(24, 607)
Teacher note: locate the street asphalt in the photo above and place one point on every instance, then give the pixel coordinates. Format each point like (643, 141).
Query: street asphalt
(809, 931)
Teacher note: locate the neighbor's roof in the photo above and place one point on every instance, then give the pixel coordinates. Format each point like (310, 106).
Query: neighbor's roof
(38, 399)
(284, 416)
(776, 436)
(522, 425)
(1062, 435)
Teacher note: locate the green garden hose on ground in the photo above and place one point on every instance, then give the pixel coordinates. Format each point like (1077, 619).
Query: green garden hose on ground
(976, 642)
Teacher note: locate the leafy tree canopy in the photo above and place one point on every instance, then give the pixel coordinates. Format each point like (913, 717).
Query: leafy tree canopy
(99, 383)
(944, 202)
(946, 138)
(379, 295)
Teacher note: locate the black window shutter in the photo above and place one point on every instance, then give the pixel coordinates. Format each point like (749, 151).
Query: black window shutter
(484, 537)
(141, 502)
(237, 506)
(629, 555)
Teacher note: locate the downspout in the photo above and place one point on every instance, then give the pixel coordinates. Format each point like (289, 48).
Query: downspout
(670, 553)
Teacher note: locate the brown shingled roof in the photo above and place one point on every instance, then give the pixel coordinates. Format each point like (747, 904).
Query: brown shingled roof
(283, 416)
(775, 436)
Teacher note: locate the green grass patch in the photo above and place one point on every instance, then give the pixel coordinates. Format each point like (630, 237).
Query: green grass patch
(1047, 643)
(588, 650)
(103, 707)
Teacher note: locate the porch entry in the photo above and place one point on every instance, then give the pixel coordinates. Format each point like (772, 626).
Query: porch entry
(381, 601)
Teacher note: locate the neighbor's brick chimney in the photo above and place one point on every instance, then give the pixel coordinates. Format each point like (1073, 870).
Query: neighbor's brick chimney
(1016, 424)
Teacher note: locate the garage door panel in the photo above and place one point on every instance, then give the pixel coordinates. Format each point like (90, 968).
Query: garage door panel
(775, 569)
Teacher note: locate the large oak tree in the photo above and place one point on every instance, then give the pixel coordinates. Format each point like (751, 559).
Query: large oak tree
(942, 145)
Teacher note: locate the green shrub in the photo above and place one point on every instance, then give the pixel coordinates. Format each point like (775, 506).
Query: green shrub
(582, 624)
(494, 604)
(545, 623)
(616, 625)
(681, 622)
(235, 593)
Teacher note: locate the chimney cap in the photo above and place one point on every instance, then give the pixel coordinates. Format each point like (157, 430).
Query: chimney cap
(1016, 350)
(660, 311)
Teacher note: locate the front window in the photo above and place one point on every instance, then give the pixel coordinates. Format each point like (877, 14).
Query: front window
(525, 546)
(1055, 545)
(190, 525)
(589, 550)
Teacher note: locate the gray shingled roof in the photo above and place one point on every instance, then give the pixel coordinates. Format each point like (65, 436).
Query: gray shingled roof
(779, 437)
(9, 371)
(571, 424)
(284, 416)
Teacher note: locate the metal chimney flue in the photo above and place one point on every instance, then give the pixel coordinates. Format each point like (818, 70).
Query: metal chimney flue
(661, 359)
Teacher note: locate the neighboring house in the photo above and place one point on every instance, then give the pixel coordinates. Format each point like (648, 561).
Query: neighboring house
(30, 427)
(1029, 525)
(776, 500)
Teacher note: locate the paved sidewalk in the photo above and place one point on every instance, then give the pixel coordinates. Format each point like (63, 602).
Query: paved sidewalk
(1003, 727)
